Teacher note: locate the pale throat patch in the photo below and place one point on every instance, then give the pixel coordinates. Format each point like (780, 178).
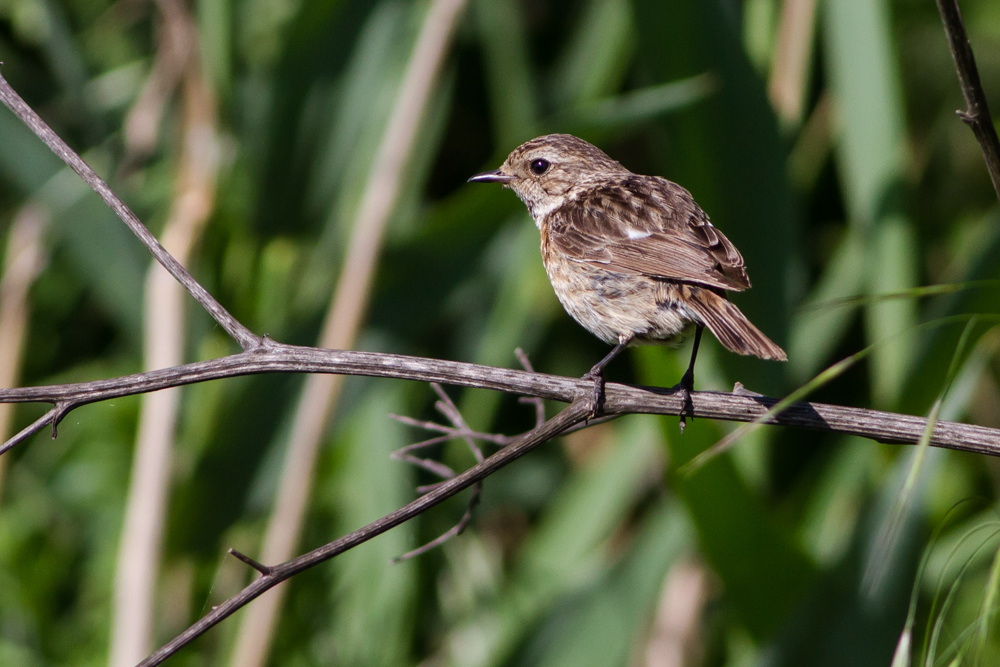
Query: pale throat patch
(540, 210)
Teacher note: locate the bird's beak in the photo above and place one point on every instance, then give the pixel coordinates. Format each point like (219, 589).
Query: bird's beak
(495, 176)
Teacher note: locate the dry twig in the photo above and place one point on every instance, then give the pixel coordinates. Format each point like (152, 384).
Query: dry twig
(977, 112)
(458, 429)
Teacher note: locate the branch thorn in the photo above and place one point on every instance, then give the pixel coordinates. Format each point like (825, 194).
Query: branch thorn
(260, 567)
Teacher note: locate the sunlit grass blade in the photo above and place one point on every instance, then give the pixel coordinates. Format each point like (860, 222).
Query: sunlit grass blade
(988, 610)
(889, 532)
(935, 637)
(725, 443)
(510, 80)
(815, 334)
(912, 293)
(592, 64)
(956, 548)
(645, 103)
(904, 647)
(901, 658)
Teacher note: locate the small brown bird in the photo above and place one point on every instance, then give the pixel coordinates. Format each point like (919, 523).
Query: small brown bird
(631, 258)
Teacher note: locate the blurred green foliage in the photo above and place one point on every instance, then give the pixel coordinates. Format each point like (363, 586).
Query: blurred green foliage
(569, 556)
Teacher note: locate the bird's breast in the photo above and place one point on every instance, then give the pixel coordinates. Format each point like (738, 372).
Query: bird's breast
(610, 304)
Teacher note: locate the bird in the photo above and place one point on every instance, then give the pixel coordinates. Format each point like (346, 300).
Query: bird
(632, 258)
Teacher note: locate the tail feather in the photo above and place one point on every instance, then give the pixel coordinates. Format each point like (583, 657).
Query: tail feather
(730, 326)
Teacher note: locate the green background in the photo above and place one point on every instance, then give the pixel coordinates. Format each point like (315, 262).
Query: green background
(575, 554)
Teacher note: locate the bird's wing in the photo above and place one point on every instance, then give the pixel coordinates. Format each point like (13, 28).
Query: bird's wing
(649, 226)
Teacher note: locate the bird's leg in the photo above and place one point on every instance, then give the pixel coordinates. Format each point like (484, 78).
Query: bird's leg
(597, 373)
(686, 385)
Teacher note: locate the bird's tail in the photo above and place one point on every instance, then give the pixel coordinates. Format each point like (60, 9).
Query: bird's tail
(730, 326)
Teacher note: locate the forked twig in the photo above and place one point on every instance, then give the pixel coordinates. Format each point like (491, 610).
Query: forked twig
(458, 429)
(260, 567)
(246, 338)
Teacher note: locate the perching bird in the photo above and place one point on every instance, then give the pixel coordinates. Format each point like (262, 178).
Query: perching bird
(631, 258)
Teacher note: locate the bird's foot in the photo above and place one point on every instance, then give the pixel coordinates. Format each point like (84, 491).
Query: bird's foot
(597, 397)
(685, 387)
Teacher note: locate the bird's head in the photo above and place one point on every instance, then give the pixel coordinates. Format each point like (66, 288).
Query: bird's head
(550, 170)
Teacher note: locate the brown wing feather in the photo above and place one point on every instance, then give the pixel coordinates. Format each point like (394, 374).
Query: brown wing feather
(649, 226)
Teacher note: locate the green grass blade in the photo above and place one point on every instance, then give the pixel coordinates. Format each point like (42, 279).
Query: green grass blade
(889, 533)
(911, 293)
(872, 149)
(513, 93)
(814, 334)
(949, 599)
(988, 610)
(904, 647)
(644, 103)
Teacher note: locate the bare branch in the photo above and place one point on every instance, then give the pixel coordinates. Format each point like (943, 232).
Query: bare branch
(620, 399)
(430, 465)
(449, 433)
(977, 112)
(573, 414)
(454, 531)
(242, 335)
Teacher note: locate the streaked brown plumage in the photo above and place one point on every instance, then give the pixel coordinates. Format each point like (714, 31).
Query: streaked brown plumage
(631, 257)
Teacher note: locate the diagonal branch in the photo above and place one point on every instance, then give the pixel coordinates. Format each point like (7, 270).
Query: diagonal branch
(51, 416)
(246, 338)
(977, 112)
(620, 399)
(571, 415)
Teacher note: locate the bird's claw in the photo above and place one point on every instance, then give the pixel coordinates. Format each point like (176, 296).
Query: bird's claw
(597, 397)
(685, 387)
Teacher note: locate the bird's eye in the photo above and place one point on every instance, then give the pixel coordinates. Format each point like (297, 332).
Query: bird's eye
(539, 167)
